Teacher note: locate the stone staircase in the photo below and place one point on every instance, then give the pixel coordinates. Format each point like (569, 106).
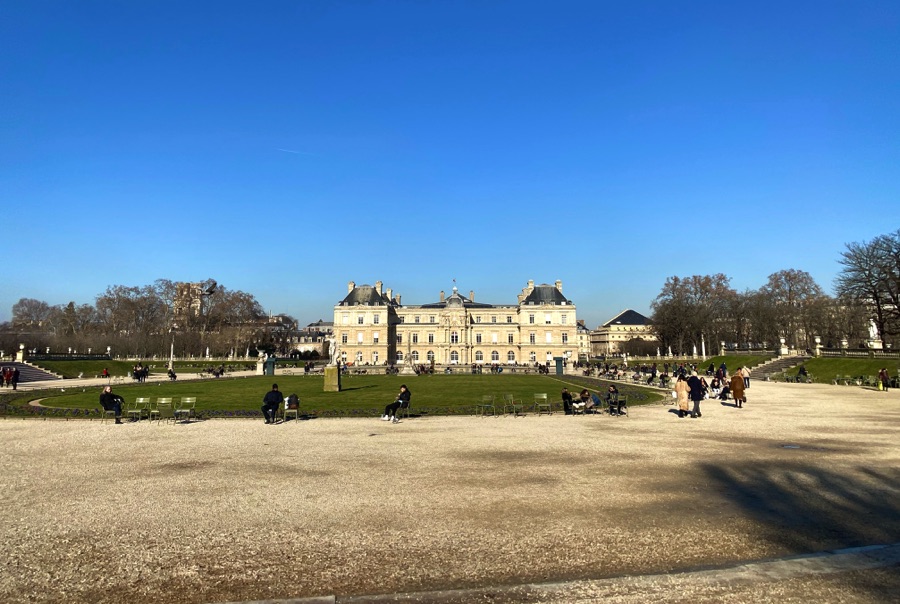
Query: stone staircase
(30, 373)
(777, 366)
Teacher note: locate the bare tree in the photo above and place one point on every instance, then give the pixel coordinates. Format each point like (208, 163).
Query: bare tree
(871, 277)
(791, 293)
(30, 313)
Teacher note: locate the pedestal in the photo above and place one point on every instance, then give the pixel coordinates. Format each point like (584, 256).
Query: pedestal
(332, 378)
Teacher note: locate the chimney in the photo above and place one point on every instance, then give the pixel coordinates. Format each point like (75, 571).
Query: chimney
(442, 295)
(472, 295)
(378, 285)
(397, 299)
(350, 286)
(531, 284)
(390, 293)
(559, 285)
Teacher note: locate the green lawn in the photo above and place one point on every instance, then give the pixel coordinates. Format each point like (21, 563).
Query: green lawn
(360, 395)
(71, 369)
(824, 371)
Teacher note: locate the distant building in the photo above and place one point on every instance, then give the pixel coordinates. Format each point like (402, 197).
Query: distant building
(609, 338)
(314, 337)
(372, 326)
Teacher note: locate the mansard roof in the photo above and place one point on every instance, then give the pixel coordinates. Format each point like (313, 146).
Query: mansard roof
(365, 295)
(546, 294)
(628, 317)
(456, 299)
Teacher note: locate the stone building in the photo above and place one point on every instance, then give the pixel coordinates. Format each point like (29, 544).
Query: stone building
(610, 337)
(372, 326)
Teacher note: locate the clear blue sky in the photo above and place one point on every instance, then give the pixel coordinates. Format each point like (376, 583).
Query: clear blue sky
(287, 147)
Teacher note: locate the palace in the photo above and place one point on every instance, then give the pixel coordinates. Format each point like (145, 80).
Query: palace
(372, 327)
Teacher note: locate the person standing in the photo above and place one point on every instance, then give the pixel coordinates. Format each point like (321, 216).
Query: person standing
(696, 388)
(681, 396)
(745, 373)
(271, 400)
(884, 378)
(112, 402)
(737, 388)
(15, 377)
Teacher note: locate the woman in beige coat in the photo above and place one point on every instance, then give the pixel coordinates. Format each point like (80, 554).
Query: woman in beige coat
(737, 388)
(681, 395)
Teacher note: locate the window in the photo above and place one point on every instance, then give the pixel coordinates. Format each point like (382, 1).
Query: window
(509, 318)
(431, 338)
(454, 357)
(359, 319)
(493, 319)
(531, 318)
(415, 356)
(359, 336)
(399, 356)
(359, 357)
(430, 356)
(415, 338)
(344, 338)
(478, 338)
(510, 357)
(345, 318)
(549, 337)
(454, 337)
(549, 357)
(375, 358)
(510, 338)
(399, 338)
(376, 319)
(547, 318)
(416, 319)
(495, 356)
(478, 319)
(565, 338)
(532, 338)
(479, 357)
(431, 319)
(375, 337)
(564, 319)
(532, 357)
(402, 319)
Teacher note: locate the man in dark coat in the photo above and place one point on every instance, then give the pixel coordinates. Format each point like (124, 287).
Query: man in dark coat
(697, 392)
(271, 401)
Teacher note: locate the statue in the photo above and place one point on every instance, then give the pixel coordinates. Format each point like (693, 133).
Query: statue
(873, 330)
(333, 351)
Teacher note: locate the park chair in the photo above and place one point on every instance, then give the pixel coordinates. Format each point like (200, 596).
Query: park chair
(161, 408)
(598, 404)
(623, 405)
(291, 407)
(107, 413)
(186, 407)
(486, 404)
(138, 408)
(511, 405)
(542, 404)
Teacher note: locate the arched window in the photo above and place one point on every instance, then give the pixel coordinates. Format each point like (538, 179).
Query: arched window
(532, 357)
(344, 357)
(415, 356)
(511, 357)
(430, 356)
(375, 358)
(549, 357)
(495, 356)
(479, 356)
(454, 357)
(359, 357)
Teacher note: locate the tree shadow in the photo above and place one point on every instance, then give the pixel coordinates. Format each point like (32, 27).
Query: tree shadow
(808, 508)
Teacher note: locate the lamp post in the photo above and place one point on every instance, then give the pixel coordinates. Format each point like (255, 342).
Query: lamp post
(172, 346)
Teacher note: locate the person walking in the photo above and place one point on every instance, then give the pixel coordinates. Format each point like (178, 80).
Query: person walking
(745, 373)
(737, 389)
(271, 400)
(696, 388)
(884, 378)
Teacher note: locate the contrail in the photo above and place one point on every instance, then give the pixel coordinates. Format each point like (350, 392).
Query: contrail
(295, 152)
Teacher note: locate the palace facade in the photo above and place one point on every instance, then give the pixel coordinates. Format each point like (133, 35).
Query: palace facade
(372, 326)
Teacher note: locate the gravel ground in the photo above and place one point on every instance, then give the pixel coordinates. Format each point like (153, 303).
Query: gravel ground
(229, 510)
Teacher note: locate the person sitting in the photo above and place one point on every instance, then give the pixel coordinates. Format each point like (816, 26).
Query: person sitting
(112, 402)
(715, 387)
(390, 411)
(271, 400)
(584, 402)
(171, 374)
(567, 401)
(802, 375)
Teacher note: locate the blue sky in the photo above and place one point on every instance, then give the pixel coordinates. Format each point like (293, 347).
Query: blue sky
(286, 148)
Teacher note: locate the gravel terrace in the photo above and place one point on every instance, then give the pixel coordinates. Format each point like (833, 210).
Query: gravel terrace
(228, 510)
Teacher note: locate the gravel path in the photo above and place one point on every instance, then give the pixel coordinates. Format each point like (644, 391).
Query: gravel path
(228, 510)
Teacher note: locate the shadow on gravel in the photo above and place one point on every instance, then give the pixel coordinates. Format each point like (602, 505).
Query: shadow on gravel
(807, 508)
